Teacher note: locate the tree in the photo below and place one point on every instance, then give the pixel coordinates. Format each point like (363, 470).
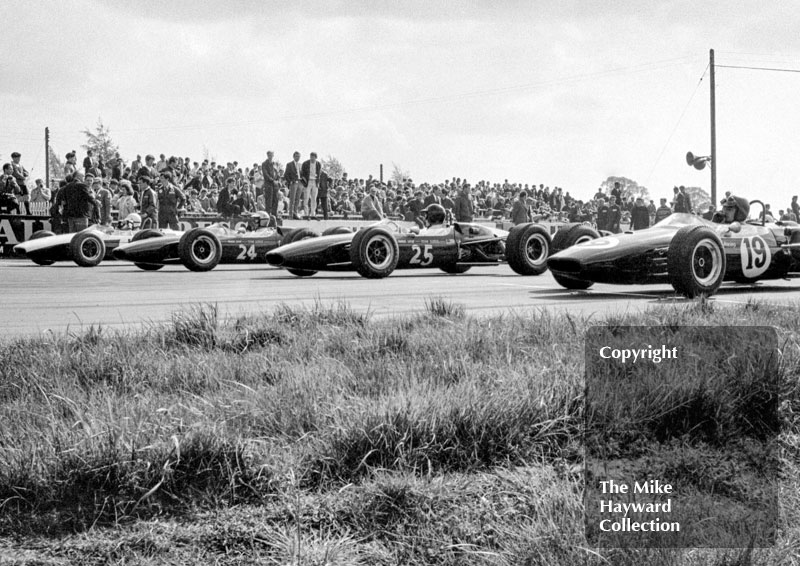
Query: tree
(399, 175)
(630, 188)
(100, 142)
(333, 167)
(55, 163)
(699, 197)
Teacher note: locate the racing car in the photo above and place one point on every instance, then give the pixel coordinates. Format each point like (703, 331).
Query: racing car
(377, 250)
(87, 248)
(202, 249)
(692, 254)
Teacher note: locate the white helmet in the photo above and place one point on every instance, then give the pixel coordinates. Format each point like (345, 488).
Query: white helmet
(132, 222)
(258, 220)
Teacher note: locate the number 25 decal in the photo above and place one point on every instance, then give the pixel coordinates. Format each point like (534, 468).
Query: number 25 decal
(427, 255)
(246, 253)
(755, 256)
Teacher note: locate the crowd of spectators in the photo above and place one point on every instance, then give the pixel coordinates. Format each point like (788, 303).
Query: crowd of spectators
(162, 189)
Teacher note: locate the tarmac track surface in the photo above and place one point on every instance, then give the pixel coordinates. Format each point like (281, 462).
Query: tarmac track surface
(65, 297)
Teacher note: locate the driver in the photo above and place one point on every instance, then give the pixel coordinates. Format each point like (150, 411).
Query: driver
(131, 222)
(435, 216)
(260, 219)
(734, 209)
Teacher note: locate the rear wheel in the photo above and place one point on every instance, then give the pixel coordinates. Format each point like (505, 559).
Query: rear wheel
(146, 235)
(696, 261)
(374, 253)
(527, 249)
(337, 230)
(569, 236)
(87, 248)
(40, 258)
(199, 250)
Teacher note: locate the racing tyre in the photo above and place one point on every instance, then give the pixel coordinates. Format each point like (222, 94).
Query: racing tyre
(199, 250)
(37, 258)
(87, 248)
(374, 252)
(146, 235)
(570, 283)
(337, 230)
(527, 249)
(568, 236)
(696, 261)
(301, 234)
(455, 269)
(296, 236)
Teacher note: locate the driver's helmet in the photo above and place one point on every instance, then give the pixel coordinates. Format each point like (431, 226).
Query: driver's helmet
(258, 220)
(735, 209)
(434, 214)
(132, 222)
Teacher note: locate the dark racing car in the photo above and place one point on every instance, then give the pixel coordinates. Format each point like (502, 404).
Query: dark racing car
(202, 249)
(377, 250)
(692, 254)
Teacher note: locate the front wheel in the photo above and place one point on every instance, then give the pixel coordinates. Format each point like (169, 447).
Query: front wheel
(36, 258)
(527, 249)
(696, 261)
(87, 248)
(572, 284)
(374, 253)
(199, 250)
(455, 269)
(296, 236)
(568, 236)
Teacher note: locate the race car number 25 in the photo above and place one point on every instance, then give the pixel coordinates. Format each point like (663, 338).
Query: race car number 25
(755, 256)
(422, 255)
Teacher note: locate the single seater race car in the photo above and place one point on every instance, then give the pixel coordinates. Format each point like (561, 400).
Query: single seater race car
(377, 250)
(202, 249)
(87, 248)
(692, 254)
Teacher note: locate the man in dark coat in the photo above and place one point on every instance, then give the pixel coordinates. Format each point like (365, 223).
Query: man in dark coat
(270, 174)
(640, 216)
(78, 202)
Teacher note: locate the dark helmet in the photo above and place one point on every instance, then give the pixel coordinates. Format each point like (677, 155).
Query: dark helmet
(435, 214)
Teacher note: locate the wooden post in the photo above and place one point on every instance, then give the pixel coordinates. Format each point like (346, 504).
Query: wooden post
(713, 133)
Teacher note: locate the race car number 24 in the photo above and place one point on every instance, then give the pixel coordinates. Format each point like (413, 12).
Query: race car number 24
(246, 252)
(422, 256)
(755, 256)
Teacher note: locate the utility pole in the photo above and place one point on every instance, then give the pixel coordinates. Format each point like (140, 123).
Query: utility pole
(381, 173)
(47, 157)
(713, 132)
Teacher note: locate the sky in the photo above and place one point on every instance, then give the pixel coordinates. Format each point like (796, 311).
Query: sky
(564, 93)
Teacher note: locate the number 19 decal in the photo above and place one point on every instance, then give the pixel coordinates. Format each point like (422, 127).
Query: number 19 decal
(426, 255)
(755, 256)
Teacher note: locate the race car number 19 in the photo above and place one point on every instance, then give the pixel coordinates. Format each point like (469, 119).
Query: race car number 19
(755, 256)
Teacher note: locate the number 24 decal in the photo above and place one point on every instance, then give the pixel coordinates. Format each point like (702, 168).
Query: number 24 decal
(246, 253)
(422, 256)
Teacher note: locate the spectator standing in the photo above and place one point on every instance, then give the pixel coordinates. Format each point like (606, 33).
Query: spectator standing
(170, 199)
(602, 215)
(640, 216)
(40, 193)
(679, 202)
(126, 205)
(71, 165)
(136, 165)
(324, 184)
(9, 191)
(309, 173)
(78, 202)
(224, 200)
(292, 177)
(795, 206)
(434, 198)
(147, 200)
(662, 211)
(270, 175)
(103, 197)
(521, 212)
(21, 177)
(371, 208)
(464, 208)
